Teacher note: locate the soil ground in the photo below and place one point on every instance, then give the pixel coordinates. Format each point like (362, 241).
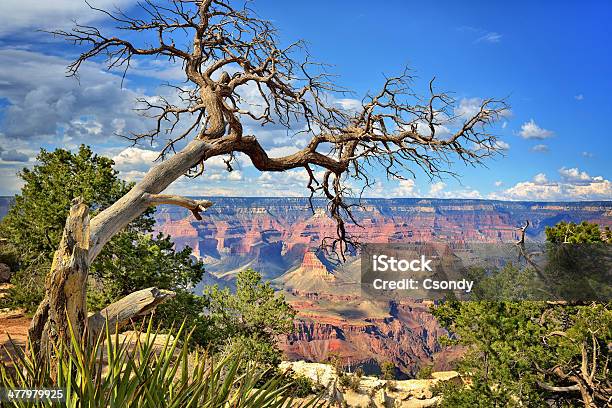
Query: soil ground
(13, 328)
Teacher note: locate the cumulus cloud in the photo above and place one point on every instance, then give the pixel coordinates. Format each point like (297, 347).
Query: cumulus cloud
(469, 193)
(13, 155)
(61, 108)
(531, 130)
(405, 188)
(579, 97)
(436, 188)
(469, 107)
(574, 185)
(575, 175)
(540, 178)
(21, 15)
(349, 104)
(134, 159)
(281, 151)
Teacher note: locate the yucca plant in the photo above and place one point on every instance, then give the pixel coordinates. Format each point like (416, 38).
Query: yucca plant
(120, 373)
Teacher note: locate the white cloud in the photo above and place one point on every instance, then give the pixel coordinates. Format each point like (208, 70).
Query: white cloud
(574, 185)
(464, 194)
(235, 175)
(501, 145)
(531, 130)
(540, 178)
(498, 183)
(468, 107)
(21, 15)
(425, 130)
(490, 37)
(134, 158)
(349, 104)
(579, 97)
(540, 148)
(528, 190)
(436, 188)
(282, 151)
(405, 188)
(574, 174)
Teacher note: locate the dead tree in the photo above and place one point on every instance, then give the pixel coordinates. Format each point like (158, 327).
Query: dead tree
(231, 49)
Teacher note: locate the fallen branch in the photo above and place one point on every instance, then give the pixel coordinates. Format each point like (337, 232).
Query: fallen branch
(121, 312)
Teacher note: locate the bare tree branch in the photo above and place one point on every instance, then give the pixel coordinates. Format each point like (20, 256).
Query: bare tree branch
(196, 206)
(232, 49)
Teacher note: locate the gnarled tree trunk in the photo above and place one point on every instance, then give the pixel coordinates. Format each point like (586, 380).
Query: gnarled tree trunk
(65, 303)
(66, 284)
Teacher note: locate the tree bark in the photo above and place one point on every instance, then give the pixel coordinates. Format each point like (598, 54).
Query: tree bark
(117, 314)
(65, 302)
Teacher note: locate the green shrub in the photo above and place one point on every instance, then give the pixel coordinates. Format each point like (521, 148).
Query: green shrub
(349, 382)
(344, 381)
(387, 371)
(425, 372)
(354, 383)
(301, 386)
(145, 375)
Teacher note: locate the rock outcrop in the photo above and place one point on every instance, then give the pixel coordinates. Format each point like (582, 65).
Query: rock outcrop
(372, 391)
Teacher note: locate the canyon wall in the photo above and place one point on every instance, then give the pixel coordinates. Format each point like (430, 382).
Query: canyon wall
(279, 238)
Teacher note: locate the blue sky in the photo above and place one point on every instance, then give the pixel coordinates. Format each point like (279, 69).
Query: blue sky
(551, 60)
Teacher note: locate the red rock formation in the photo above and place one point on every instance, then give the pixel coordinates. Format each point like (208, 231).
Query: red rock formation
(313, 266)
(408, 337)
(276, 236)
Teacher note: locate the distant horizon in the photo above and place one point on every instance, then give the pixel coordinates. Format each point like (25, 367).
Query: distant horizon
(391, 199)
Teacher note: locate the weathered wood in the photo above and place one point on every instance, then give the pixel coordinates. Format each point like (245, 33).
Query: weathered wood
(196, 206)
(66, 285)
(125, 309)
(123, 211)
(37, 326)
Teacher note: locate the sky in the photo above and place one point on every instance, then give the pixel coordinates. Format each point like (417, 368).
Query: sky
(550, 60)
